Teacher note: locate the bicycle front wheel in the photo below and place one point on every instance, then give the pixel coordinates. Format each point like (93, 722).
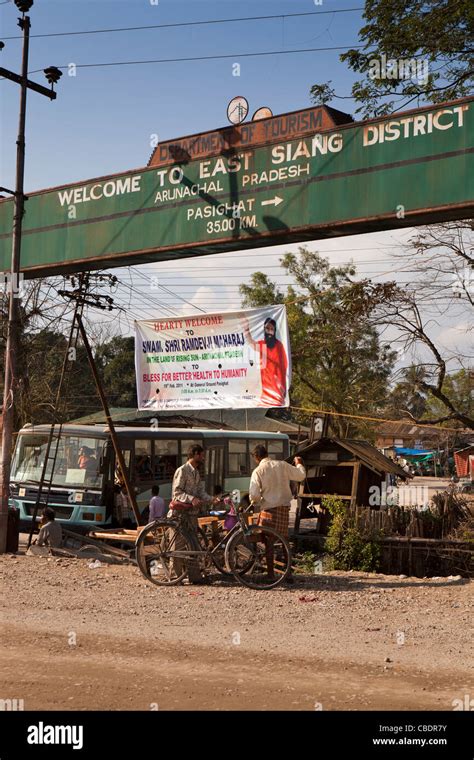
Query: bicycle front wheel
(161, 552)
(259, 558)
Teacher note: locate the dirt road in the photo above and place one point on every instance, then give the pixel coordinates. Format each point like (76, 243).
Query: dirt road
(80, 638)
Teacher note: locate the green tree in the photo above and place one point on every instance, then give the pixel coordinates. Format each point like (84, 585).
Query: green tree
(40, 363)
(407, 397)
(116, 364)
(337, 358)
(437, 34)
(410, 396)
(44, 330)
(459, 389)
(42, 359)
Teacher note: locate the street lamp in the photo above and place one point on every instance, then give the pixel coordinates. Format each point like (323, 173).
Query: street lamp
(23, 5)
(53, 75)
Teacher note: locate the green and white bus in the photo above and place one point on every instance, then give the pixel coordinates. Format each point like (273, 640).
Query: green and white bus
(82, 496)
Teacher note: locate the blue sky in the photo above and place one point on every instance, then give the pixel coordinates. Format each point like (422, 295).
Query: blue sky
(102, 119)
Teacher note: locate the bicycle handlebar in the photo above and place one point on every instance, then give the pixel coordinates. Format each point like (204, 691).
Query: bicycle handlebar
(246, 509)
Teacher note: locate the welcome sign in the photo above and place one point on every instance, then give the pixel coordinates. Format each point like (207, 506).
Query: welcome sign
(415, 167)
(226, 360)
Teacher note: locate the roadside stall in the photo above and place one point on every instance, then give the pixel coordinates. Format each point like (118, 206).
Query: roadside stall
(348, 469)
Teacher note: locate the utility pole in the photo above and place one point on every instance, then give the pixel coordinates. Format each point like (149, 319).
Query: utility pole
(113, 435)
(82, 296)
(13, 280)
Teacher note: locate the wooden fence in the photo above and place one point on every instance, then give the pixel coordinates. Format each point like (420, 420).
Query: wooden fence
(419, 542)
(438, 522)
(415, 542)
(425, 557)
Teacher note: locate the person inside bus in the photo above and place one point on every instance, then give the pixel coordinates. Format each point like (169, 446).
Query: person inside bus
(166, 461)
(86, 460)
(143, 467)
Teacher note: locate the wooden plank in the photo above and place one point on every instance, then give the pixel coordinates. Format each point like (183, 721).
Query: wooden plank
(127, 534)
(130, 536)
(89, 540)
(355, 483)
(296, 527)
(207, 520)
(114, 536)
(328, 463)
(320, 495)
(251, 519)
(432, 541)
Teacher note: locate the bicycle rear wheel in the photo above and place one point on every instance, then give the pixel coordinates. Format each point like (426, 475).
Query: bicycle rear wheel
(159, 550)
(218, 554)
(218, 558)
(243, 565)
(259, 558)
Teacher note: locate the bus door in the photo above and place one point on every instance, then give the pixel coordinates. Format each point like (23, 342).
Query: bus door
(127, 451)
(215, 454)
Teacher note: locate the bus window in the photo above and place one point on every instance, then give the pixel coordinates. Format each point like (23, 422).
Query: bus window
(77, 461)
(29, 457)
(165, 459)
(143, 468)
(275, 449)
(238, 459)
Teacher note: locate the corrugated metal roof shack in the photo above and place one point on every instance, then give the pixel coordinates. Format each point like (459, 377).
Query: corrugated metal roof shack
(342, 467)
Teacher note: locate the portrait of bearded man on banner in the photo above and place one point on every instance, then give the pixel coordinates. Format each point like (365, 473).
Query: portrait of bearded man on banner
(273, 363)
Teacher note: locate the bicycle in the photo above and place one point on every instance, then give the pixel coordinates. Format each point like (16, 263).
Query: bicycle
(213, 536)
(257, 556)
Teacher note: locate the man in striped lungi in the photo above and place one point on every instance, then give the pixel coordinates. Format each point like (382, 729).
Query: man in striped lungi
(270, 490)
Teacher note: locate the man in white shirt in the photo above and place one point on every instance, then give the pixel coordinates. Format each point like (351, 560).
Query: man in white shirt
(270, 490)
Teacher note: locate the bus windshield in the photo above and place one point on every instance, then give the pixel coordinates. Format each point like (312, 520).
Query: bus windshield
(78, 461)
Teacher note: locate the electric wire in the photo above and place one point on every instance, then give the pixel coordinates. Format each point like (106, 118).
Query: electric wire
(177, 24)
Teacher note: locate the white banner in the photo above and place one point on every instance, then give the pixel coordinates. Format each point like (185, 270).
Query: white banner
(226, 360)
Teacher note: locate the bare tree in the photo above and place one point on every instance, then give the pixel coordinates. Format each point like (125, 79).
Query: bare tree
(44, 324)
(440, 290)
(443, 256)
(403, 314)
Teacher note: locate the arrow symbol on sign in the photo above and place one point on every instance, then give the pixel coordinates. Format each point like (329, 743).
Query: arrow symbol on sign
(273, 201)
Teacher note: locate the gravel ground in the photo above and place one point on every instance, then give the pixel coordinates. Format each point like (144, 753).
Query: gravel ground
(82, 638)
